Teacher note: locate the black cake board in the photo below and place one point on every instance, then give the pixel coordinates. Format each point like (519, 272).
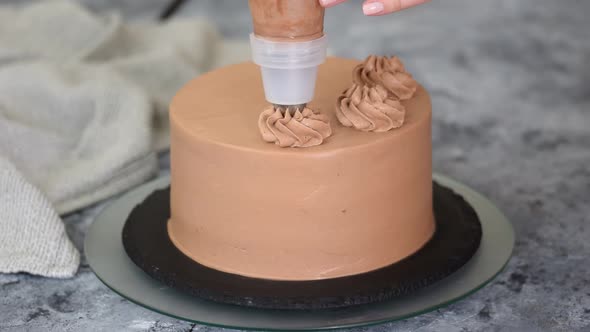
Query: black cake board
(457, 237)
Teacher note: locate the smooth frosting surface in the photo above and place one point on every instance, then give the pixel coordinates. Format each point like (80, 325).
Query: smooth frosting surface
(296, 128)
(355, 203)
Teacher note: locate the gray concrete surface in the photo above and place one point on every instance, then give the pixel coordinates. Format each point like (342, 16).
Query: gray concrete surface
(510, 82)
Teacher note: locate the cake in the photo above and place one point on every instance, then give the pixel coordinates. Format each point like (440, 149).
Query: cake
(338, 188)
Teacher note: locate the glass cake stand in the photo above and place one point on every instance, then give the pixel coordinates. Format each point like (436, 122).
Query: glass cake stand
(107, 258)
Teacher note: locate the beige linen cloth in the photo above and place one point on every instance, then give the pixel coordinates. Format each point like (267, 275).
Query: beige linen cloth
(83, 112)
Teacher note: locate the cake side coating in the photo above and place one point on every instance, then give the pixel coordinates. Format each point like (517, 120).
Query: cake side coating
(358, 202)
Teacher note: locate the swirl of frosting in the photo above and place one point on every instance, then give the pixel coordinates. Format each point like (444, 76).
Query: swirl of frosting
(369, 109)
(298, 128)
(388, 73)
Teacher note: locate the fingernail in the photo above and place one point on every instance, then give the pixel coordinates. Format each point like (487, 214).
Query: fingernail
(373, 8)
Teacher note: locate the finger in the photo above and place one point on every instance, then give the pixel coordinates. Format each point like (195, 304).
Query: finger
(383, 7)
(330, 3)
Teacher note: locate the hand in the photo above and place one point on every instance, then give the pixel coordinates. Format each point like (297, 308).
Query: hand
(378, 7)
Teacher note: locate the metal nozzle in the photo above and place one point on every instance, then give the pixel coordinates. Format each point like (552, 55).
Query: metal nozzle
(290, 108)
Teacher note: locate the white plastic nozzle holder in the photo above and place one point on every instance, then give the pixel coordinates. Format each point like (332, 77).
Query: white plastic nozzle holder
(289, 69)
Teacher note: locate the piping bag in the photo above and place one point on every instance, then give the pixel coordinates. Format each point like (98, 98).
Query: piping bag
(288, 43)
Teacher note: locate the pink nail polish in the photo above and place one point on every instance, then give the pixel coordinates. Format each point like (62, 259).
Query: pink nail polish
(326, 3)
(373, 8)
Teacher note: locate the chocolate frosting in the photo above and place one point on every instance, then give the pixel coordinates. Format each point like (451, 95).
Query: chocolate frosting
(372, 103)
(318, 201)
(388, 73)
(287, 20)
(293, 128)
(369, 109)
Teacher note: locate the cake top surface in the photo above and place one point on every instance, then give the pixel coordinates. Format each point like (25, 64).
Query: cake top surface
(223, 107)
